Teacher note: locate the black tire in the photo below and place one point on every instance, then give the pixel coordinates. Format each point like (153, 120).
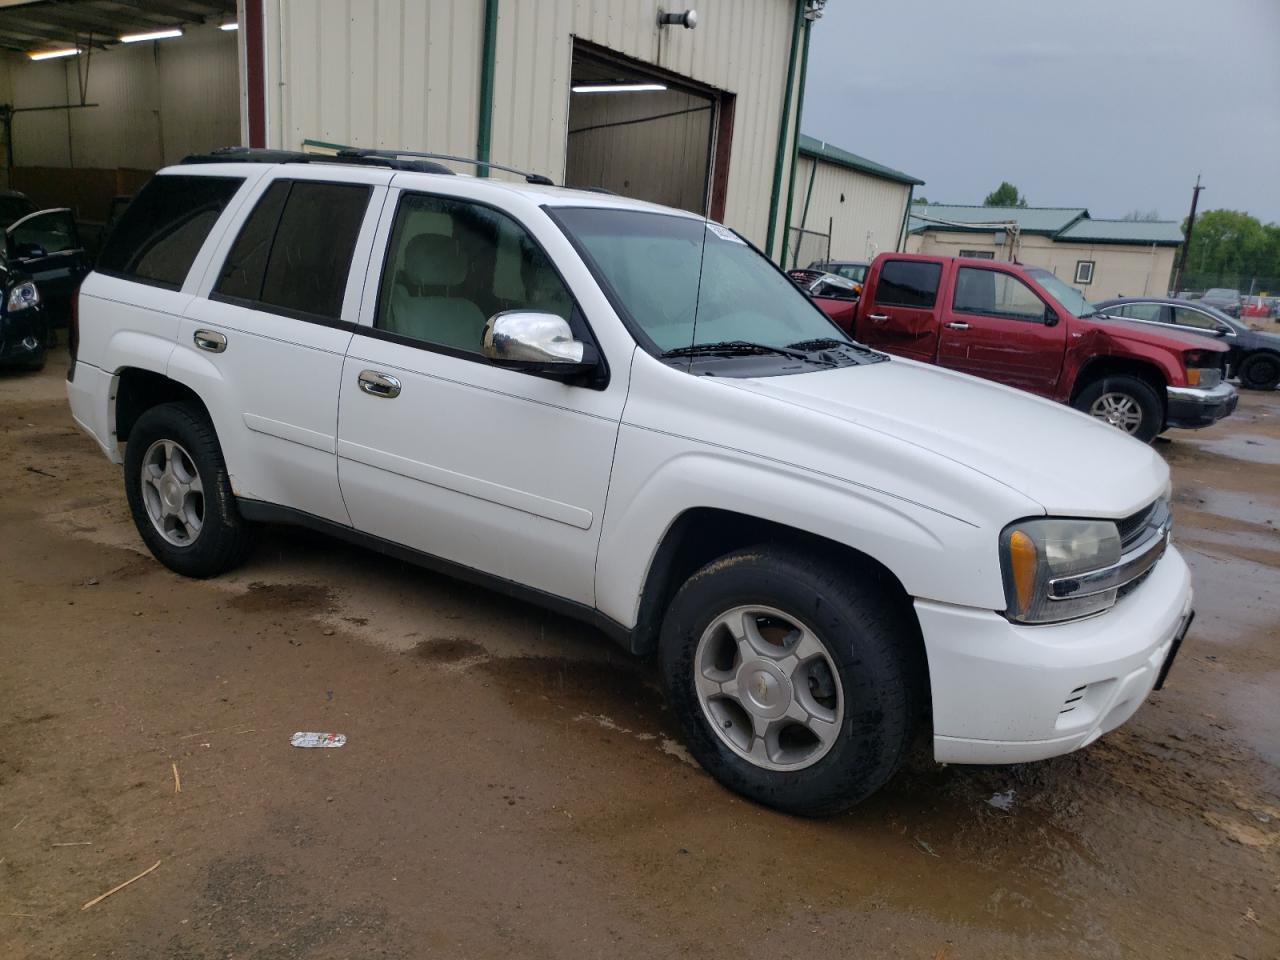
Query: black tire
(873, 644)
(1138, 391)
(1260, 371)
(224, 538)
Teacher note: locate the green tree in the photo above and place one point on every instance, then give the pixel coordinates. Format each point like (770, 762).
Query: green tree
(1005, 195)
(1229, 247)
(919, 199)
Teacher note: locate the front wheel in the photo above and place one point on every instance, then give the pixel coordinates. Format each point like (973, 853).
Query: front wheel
(1126, 403)
(180, 495)
(1260, 371)
(792, 679)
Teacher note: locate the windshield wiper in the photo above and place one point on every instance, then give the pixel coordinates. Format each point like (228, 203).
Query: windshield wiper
(739, 348)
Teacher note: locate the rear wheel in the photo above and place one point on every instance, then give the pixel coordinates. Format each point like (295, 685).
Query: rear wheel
(1260, 371)
(1126, 403)
(793, 683)
(180, 493)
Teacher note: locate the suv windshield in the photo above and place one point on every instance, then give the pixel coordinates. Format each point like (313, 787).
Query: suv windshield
(1065, 294)
(684, 282)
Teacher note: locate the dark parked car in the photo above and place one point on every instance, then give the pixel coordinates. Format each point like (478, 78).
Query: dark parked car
(1227, 300)
(24, 331)
(1252, 356)
(834, 295)
(45, 245)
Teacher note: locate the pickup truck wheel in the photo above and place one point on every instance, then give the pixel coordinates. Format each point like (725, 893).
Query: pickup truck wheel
(1260, 371)
(1126, 403)
(180, 494)
(791, 681)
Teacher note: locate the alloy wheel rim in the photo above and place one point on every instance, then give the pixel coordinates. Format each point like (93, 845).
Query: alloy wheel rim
(768, 687)
(172, 492)
(1118, 409)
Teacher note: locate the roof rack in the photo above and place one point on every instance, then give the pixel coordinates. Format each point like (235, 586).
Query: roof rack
(360, 153)
(359, 158)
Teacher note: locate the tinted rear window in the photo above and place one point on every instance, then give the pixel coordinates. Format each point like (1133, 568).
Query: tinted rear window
(294, 252)
(908, 283)
(159, 235)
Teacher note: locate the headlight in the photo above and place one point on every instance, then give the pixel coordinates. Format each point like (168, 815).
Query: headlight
(1033, 552)
(22, 296)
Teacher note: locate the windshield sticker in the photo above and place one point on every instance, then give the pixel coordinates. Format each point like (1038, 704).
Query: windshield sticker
(724, 233)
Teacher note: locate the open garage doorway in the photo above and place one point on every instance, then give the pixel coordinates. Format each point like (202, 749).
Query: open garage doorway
(647, 134)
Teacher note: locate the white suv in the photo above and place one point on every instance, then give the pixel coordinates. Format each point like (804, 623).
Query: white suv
(628, 414)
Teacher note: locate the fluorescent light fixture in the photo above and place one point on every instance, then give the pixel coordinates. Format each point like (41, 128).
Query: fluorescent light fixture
(154, 35)
(229, 26)
(619, 87)
(53, 54)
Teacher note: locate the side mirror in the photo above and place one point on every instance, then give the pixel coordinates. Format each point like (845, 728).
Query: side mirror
(539, 343)
(1050, 316)
(1222, 331)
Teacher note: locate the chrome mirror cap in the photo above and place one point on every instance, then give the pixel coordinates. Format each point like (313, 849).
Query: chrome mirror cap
(524, 336)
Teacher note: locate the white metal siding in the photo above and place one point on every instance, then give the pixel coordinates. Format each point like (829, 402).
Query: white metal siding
(405, 73)
(863, 213)
(156, 103)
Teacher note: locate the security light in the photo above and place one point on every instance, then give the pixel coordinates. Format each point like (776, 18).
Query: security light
(154, 35)
(229, 26)
(688, 19)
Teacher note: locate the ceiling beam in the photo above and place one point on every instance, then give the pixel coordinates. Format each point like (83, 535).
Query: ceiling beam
(81, 19)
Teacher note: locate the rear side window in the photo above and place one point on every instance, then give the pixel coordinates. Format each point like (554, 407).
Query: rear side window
(909, 283)
(293, 254)
(162, 230)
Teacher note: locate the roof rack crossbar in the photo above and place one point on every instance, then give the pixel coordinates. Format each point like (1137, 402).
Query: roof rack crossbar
(537, 178)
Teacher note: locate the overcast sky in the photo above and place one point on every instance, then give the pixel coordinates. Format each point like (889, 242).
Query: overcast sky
(1112, 105)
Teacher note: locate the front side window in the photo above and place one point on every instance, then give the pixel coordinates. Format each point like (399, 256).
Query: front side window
(293, 254)
(909, 283)
(453, 264)
(1187, 317)
(160, 233)
(996, 294)
(49, 231)
(684, 282)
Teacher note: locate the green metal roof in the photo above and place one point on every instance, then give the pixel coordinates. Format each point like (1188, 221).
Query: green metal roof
(812, 147)
(1162, 233)
(1068, 224)
(1043, 220)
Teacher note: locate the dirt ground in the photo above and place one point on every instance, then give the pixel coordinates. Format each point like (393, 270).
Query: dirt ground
(511, 785)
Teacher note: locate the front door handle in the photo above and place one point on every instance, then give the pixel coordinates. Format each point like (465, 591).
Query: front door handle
(210, 340)
(957, 325)
(378, 384)
(878, 317)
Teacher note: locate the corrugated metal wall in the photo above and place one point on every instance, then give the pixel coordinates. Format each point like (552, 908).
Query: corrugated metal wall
(405, 73)
(157, 102)
(865, 212)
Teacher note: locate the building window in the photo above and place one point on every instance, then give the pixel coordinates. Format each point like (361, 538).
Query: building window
(1084, 271)
(979, 254)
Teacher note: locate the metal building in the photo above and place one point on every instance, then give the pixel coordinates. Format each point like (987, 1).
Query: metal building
(845, 207)
(700, 112)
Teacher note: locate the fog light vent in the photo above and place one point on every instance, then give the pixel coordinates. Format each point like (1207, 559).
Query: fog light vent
(1073, 699)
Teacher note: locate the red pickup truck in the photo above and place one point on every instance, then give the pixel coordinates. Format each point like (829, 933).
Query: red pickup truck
(1024, 327)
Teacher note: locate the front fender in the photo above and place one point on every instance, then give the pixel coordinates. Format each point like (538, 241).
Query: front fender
(658, 477)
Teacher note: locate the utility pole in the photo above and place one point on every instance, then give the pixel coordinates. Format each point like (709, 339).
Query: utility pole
(1186, 243)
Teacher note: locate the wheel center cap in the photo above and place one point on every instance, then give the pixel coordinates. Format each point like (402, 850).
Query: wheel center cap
(170, 494)
(766, 690)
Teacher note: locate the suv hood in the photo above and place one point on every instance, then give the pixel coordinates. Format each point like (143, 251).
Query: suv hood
(1069, 463)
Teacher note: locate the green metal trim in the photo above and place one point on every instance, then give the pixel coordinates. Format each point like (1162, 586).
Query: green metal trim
(808, 195)
(795, 144)
(488, 58)
(776, 194)
(906, 215)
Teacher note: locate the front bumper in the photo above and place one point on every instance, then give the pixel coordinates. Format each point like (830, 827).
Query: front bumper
(1191, 407)
(1010, 693)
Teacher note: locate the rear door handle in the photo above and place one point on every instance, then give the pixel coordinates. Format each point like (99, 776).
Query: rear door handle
(210, 340)
(878, 317)
(378, 384)
(957, 325)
